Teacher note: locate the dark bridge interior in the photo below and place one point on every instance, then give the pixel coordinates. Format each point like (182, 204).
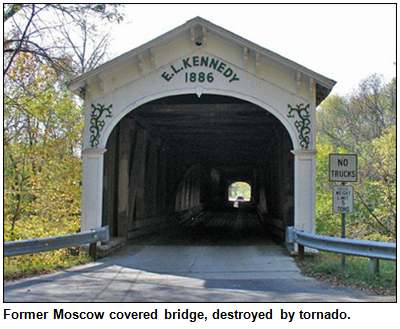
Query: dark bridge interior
(170, 163)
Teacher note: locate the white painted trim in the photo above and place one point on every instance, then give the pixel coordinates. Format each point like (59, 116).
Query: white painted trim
(304, 152)
(211, 28)
(93, 151)
(174, 92)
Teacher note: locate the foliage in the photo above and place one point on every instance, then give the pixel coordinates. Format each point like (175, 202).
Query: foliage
(44, 45)
(363, 123)
(356, 273)
(326, 221)
(42, 134)
(42, 165)
(240, 189)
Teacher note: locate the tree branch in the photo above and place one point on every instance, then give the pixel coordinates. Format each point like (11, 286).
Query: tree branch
(391, 233)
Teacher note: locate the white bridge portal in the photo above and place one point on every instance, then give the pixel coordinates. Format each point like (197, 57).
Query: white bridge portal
(170, 125)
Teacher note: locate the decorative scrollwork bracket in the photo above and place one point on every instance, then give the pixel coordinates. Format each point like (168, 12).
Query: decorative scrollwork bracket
(97, 124)
(303, 124)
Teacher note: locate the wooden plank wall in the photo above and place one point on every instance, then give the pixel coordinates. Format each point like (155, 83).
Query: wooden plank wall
(142, 179)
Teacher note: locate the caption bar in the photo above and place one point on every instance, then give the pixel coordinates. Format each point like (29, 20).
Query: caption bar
(167, 314)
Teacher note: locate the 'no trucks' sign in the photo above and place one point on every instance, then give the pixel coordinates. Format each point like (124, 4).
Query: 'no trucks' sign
(343, 167)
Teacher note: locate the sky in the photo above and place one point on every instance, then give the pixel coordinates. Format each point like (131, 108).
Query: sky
(346, 43)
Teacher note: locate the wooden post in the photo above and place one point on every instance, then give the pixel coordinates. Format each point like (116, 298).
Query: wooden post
(151, 180)
(183, 195)
(177, 204)
(123, 176)
(110, 159)
(161, 184)
(301, 251)
(288, 184)
(197, 190)
(93, 251)
(187, 192)
(281, 179)
(192, 190)
(374, 266)
(137, 177)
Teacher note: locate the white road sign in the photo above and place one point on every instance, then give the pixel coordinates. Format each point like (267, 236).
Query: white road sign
(343, 199)
(343, 167)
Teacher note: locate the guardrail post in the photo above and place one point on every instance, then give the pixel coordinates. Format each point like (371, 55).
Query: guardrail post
(93, 251)
(289, 239)
(374, 265)
(301, 251)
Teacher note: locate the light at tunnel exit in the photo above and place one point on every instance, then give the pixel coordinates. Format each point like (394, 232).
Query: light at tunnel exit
(239, 192)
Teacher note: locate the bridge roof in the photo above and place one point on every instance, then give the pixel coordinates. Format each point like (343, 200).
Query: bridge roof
(324, 85)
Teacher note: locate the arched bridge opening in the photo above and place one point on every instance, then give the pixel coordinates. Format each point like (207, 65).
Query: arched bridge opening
(239, 192)
(171, 163)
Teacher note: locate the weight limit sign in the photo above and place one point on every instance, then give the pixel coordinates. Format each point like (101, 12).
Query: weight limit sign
(343, 199)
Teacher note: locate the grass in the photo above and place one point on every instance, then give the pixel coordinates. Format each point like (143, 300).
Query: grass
(356, 273)
(24, 266)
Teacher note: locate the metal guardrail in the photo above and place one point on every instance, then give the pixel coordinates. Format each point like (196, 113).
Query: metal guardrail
(370, 249)
(31, 246)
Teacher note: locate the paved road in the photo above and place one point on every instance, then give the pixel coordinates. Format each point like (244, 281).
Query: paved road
(222, 258)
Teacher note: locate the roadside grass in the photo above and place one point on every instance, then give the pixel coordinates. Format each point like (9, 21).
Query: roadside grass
(327, 267)
(23, 266)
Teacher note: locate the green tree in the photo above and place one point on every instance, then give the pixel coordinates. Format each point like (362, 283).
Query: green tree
(42, 137)
(327, 223)
(364, 123)
(42, 165)
(44, 45)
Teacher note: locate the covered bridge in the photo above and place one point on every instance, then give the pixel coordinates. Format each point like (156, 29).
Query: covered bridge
(170, 125)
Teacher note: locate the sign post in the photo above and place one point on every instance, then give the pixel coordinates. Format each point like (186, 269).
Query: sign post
(343, 168)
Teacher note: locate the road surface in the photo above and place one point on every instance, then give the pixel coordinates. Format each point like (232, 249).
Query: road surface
(225, 257)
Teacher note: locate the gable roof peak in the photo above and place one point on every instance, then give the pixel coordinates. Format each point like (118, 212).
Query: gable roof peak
(325, 83)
